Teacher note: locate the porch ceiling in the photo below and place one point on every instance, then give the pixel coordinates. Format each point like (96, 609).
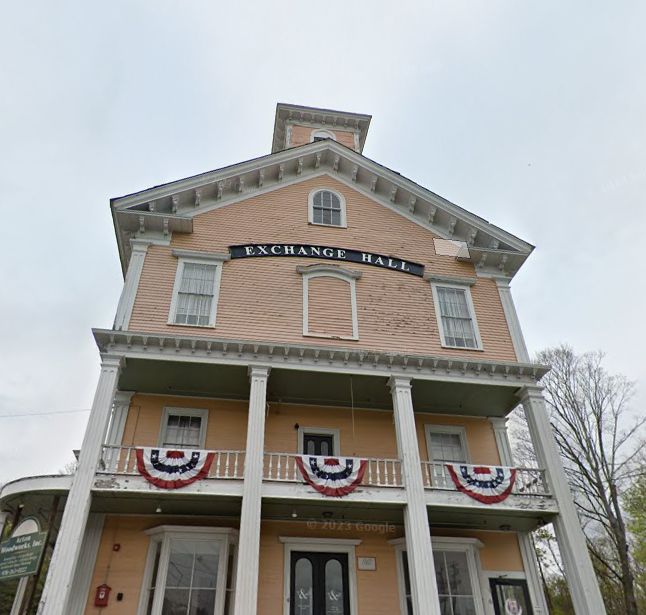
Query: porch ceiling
(315, 388)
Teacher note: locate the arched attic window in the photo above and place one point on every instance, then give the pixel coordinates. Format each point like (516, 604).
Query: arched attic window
(319, 135)
(327, 208)
(329, 301)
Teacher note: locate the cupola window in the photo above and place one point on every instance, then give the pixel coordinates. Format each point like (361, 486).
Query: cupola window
(320, 135)
(327, 208)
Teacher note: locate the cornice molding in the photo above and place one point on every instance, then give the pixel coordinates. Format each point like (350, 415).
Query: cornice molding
(204, 256)
(496, 251)
(317, 358)
(336, 270)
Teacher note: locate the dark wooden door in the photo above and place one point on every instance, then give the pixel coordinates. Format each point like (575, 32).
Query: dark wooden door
(319, 584)
(316, 444)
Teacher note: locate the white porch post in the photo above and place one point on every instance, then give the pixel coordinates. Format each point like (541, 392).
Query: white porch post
(129, 291)
(4, 519)
(246, 596)
(68, 544)
(86, 563)
(114, 437)
(418, 536)
(528, 554)
(586, 596)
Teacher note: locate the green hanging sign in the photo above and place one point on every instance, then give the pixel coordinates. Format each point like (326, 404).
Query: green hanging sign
(19, 556)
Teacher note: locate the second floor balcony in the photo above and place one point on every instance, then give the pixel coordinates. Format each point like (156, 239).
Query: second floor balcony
(383, 482)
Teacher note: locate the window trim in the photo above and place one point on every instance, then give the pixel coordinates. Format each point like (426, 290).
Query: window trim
(186, 257)
(466, 287)
(322, 132)
(321, 545)
(310, 208)
(470, 546)
(203, 413)
(335, 433)
(163, 534)
(330, 271)
(452, 429)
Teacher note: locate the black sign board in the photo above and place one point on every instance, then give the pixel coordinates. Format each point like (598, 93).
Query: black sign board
(325, 252)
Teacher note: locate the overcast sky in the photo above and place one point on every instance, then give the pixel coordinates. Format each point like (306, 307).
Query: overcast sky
(531, 114)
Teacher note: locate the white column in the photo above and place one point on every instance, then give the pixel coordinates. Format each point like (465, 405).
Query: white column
(246, 601)
(513, 323)
(4, 519)
(114, 437)
(131, 283)
(87, 561)
(418, 535)
(530, 564)
(68, 543)
(577, 565)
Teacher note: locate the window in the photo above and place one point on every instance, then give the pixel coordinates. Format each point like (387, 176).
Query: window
(327, 208)
(189, 571)
(456, 317)
(319, 135)
(197, 284)
(183, 428)
(329, 302)
(457, 572)
(318, 441)
(446, 444)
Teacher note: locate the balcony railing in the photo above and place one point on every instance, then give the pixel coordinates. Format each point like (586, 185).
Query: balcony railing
(529, 481)
(281, 467)
(123, 460)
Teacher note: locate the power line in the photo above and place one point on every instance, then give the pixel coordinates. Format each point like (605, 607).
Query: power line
(13, 416)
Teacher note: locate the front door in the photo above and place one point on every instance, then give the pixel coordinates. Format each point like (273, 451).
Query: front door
(319, 584)
(510, 597)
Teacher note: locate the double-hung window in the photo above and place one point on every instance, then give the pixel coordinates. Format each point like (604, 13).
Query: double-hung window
(183, 428)
(457, 572)
(456, 317)
(189, 571)
(197, 285)
(446, 444)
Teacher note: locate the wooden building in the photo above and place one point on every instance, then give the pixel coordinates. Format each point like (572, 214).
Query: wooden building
(287, 325)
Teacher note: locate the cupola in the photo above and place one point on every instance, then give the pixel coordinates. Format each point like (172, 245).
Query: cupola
(297, 125)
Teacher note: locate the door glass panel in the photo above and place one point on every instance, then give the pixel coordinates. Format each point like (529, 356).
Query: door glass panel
(334, 598)
(303, 590)
(511, 597)
(325, 449)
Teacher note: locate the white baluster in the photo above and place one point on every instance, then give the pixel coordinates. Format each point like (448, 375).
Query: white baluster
(279, 468)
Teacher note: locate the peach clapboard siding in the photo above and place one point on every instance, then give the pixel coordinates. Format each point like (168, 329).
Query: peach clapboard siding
(261, 298)
(302, 134)
(329, 306)
(378, 591)
(481, 440)
(123, 570)
(371, 434)
(226, 426)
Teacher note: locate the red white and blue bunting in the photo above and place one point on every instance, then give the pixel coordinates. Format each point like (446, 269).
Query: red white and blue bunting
(331, 476)
(172, 469)
(487, 485)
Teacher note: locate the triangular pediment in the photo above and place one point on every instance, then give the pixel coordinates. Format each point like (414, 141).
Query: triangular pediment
(171, 207)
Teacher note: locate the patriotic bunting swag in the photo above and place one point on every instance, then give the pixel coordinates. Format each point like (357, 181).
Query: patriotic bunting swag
(331, 476)
(171, 469)
(487, 485)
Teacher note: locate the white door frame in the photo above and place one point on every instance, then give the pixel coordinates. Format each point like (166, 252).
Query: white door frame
(321, 545)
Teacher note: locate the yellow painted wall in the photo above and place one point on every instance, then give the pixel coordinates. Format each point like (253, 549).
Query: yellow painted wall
(378, 591)
(262, 298)
(370, 434)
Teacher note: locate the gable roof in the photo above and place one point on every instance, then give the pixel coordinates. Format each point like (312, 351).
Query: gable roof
(171, 207)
